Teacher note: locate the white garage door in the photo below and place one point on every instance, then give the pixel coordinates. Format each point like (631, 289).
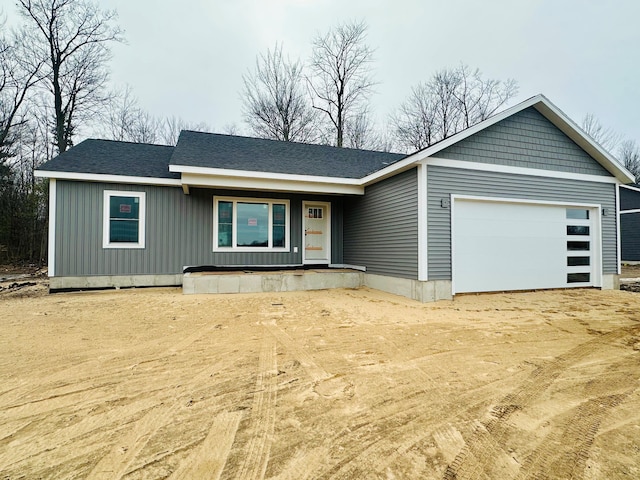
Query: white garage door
(499, 246)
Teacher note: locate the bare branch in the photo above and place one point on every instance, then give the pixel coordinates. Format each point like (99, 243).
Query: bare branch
(74, 37)
(342, 83)
(454, 99)
(275, 104)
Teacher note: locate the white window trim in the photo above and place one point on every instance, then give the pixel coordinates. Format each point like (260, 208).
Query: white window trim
(327, 206)
(235, 201)
(106, 216)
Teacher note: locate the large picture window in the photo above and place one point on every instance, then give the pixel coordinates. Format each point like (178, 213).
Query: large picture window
(250, 224)
(123, 219)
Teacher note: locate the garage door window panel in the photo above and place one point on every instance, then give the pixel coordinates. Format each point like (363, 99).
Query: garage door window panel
(574, 246)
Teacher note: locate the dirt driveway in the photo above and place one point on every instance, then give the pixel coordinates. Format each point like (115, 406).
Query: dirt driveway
(343, 384)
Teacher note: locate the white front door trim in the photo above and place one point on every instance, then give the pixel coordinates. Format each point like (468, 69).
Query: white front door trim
(327, 235)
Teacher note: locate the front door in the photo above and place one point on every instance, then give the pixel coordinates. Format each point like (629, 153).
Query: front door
(317, 236)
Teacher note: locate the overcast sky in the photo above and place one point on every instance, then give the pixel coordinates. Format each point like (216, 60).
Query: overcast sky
(186, 57)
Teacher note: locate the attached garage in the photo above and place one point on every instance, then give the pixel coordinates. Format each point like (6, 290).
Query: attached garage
(502, 244)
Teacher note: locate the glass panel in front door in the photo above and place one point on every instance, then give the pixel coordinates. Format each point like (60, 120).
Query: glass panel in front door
(315, 232)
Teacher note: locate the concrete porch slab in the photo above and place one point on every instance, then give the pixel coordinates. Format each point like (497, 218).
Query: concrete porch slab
(279, 281)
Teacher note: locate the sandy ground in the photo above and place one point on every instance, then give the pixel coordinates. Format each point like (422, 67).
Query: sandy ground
(347, 384)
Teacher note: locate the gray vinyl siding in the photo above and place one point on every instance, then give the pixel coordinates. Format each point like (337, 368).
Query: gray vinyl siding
(381, 228)
(525, 139)
(630, 237)
(179, 232)
(444, 181)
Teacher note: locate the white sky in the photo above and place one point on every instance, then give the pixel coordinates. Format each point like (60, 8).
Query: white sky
(186, 57)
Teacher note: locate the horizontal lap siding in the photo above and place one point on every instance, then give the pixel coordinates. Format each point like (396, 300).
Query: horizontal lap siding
(381, 228)
(526, 139)
(444, 181)
(179, 232)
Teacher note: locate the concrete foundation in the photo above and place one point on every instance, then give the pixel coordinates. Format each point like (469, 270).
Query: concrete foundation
(281, 281)
(289, 281)
(429, 291)
(610, 282)
(113, 281)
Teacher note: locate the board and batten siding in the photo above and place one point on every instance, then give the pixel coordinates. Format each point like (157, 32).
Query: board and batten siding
(442, 182)
(525, 139)
(630, 237)
(629, 225)
(381, 228)
(179, 232)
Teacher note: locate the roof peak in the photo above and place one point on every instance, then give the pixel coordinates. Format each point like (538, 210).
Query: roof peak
(284, 142)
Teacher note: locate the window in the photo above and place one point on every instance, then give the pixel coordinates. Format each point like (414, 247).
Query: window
(577, 230)
(578, 277)
(578, 261)
(123, 219)
(577, 214)
(248, 224)
(577, 246)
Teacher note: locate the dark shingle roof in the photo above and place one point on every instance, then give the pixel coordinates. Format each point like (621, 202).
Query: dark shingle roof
(110, 157)
(210, 150)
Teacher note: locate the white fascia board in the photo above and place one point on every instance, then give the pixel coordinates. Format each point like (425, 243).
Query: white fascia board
(583, 140)
(489, 167)
(547, 109)
(224, 172)
(270, 184)
(629, 187)
(98, 177)
(433, 149)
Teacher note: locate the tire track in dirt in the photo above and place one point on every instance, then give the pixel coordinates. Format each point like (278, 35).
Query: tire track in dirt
(373, 452)
(263, 415)
(478, 456)
(397, 429)
(106, 365)
(315, 372)
(158, 414)
(209, 459)
(115, 464)
(566, 449)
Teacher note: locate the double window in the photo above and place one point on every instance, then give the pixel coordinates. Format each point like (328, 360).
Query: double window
(248, 224)
(123, 219)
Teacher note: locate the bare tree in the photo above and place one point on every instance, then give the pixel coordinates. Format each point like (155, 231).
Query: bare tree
(360, 132)
(74, 36)
(275, 102)
(454, 99)
(606, 137)
(342, 82)
(478, 98)
(629, 156)
(172, 126)
(17, 78)
(119, 115)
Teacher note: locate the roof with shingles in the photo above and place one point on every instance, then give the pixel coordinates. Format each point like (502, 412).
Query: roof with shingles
(110, 157)
(216, 151)
(211, 150)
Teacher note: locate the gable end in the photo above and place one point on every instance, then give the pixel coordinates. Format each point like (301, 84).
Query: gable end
(526, 139)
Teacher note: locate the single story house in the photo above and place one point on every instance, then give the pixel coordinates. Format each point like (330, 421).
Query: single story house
(523, 200)
(630, 223)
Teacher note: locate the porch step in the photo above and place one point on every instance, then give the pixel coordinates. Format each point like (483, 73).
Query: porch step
(279, 281)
